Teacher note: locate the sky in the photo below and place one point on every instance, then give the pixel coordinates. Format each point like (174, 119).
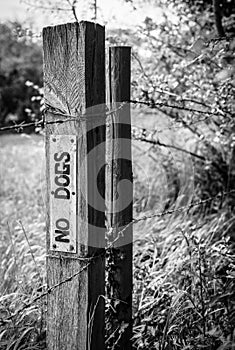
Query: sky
(10, 9)
(112, 13)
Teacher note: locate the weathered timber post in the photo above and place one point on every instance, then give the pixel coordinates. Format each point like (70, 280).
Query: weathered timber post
(74, 80)
(119, 193)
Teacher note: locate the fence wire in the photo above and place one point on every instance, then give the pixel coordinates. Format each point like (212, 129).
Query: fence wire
(138, 133)
(111, 245)
(151, 104)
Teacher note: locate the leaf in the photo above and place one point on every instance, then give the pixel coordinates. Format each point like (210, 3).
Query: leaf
(198, 46)
(224, 74)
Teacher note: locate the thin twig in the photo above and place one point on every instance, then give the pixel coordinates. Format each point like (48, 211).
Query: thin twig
(110, 246)
(158, 143)
(73, 8)
(31, 252)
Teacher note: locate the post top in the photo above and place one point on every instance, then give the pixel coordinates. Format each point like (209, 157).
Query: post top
(71, 24)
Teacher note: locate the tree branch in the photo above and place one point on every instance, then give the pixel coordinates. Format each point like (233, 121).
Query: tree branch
(218, 18)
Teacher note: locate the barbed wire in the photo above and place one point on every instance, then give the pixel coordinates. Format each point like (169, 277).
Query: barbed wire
(184, 124)
(148, 139)
(137, 133)
(44, 294)
(157, 142)
(168, 212)
(153, 104)
(148, 136)
(111, 245)
(141, 137)
(84, 116)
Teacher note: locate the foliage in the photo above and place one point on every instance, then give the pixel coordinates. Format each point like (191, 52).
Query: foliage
(184, 266)
(183, 299)
(184, 285)
(20, 60)
(181, 62)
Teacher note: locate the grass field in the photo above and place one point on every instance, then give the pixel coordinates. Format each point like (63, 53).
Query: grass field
(183, 264)
(22, 240)
(22, 209)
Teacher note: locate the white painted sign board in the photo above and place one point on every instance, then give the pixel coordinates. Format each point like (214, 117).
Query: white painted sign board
(62, 158)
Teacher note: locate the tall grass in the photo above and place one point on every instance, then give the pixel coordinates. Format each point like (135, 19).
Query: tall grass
(184, 265)
(22, 241)
(184, 284)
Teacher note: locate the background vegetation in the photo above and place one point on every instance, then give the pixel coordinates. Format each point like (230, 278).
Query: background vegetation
(184, 267)
(20, 61)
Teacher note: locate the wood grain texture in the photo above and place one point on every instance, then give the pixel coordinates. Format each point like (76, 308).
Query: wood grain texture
(120, 198)
(74, 79)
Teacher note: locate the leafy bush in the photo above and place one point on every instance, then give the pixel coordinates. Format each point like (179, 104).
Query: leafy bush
(21, 60)
(184, 264)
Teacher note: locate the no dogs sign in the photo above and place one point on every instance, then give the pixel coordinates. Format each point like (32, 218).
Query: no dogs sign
(62, 158)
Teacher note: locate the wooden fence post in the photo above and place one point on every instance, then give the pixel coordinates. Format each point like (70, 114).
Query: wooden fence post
(74, 79)
(120, 197)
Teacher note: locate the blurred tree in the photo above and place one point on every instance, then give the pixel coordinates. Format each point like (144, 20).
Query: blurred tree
(20, 60)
